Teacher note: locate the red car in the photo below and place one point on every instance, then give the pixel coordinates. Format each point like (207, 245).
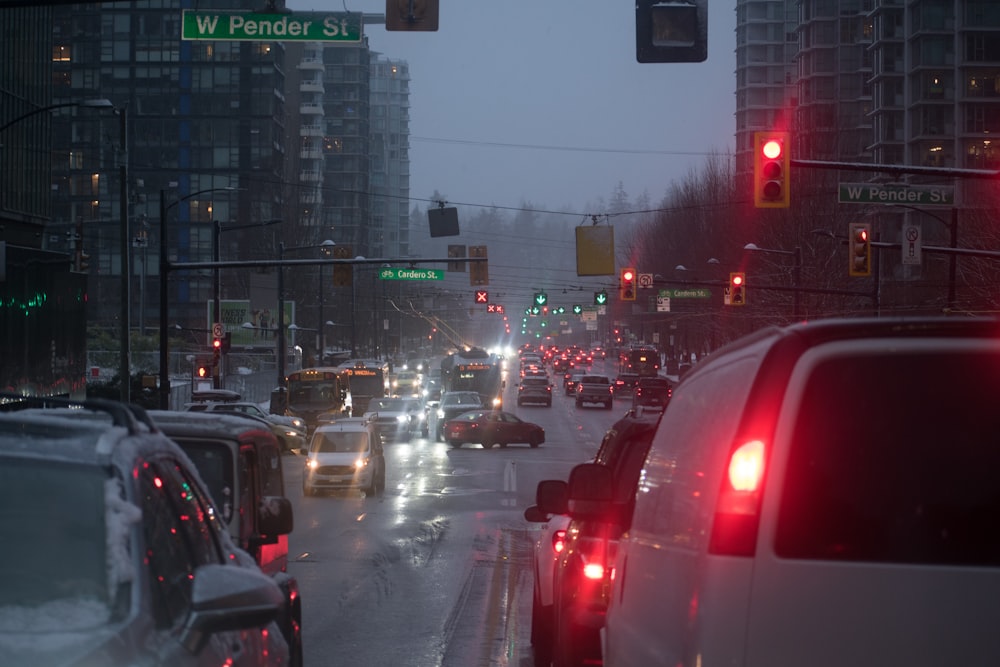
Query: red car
(491, 427)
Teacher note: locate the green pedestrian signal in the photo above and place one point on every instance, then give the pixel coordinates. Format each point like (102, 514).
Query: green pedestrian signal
(541, 298)
(601, 298)
(577, 309)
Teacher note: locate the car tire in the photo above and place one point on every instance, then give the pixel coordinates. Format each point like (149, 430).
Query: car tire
(572, 644)
(541, 632)
(455, 443)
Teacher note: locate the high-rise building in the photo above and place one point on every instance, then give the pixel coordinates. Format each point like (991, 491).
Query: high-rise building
(390, 159)
(198, 130)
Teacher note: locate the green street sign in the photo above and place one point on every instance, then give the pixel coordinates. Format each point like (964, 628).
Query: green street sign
(390, 273)
(259, 27)
(895, 193)
(699, 293)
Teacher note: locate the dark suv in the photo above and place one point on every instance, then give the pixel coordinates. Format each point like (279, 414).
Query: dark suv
(583, 549)
(114, 552)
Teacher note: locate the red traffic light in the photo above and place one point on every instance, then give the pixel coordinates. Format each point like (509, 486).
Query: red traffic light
(628, 275)
(771, 149)
(217, 343)
(737, 280)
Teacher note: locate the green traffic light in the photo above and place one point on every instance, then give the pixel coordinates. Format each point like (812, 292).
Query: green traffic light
(600, 298)
(577, 309)
(541, 298)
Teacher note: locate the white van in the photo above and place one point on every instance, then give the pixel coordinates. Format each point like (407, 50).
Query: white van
(822, 494)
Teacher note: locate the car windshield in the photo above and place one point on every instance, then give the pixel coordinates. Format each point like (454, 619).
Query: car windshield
(50, 515)
(339, 441)
(461, 399)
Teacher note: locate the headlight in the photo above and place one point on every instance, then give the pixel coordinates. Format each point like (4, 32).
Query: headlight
(440, 414)
(402, 419)
(361, 463)
(311, 464)
(497, 401)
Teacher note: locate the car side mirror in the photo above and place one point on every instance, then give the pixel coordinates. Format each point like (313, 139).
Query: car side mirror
(550, 498)
(590, 491)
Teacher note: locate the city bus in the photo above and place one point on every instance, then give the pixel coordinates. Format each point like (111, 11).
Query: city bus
(474, 370)
(315, 391)
(365, 382)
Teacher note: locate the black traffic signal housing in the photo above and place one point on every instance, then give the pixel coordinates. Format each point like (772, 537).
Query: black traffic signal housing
(771, 170)
(671, 32)
(411, 15)
(860, 249)
(343, 274)
(577, 309)
(601, 298)
(479, 272)
(627, 284)
(737, 289)
(227, 342)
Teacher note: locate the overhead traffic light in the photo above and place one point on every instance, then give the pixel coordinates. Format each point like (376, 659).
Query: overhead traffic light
(227, 342)
(479, 272)
(737, 289)
(541, 299)
(627, 284)
(860, 249)
(343, 274)
(601, 298)
(771, 162)
(577, 309)
(412, 15)
(216, 349)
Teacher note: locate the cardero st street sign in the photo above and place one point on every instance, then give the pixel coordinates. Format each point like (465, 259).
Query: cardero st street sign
(391, 273)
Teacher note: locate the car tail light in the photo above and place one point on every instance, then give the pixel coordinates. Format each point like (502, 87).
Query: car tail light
(593, 571)
(559, 541)
(734, 528)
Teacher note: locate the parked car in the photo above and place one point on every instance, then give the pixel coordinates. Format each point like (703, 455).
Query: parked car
(535, 390)
(491, 427)
(345, 454)
(114, 552)
(572, 559)
(821, 494)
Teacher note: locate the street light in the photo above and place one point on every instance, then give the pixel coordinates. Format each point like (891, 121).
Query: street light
(796, 269)
(164, 269)
(88, 104)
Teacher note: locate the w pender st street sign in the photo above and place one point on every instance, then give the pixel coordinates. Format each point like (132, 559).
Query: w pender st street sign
(260, 27)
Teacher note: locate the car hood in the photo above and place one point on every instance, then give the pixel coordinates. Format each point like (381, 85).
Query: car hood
(337, 458)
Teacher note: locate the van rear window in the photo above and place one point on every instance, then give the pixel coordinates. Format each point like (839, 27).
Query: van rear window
(896, 458)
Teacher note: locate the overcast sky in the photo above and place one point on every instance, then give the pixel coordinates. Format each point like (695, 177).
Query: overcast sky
(542, 101)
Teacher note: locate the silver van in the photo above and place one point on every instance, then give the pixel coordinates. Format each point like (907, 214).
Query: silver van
(821, 494)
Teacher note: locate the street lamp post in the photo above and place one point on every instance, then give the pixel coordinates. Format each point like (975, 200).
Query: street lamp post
(164, 270)
(126, 267)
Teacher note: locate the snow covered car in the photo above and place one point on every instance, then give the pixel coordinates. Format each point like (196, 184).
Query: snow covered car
(120, 556)
(398, 418)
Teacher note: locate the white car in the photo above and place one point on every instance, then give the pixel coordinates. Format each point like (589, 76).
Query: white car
(398, 418)
(345, 454)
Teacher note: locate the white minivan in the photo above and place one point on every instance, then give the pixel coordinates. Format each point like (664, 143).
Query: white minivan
(826, 494)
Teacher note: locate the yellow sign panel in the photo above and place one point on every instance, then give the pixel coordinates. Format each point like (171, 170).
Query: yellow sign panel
(595, 251)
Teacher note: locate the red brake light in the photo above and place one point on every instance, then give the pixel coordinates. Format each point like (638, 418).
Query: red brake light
(734, 526)
(558, 541)
(593, 571)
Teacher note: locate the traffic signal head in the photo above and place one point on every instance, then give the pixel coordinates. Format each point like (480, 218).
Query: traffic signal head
(203, 371)
(771, 162)
(628, 284)
(412, 15)
(541, 298)
(577, 309)
(600, 298)
(343, 274)
(859, 249)
(737, 289)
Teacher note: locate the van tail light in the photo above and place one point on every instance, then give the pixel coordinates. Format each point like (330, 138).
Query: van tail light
(558, 541)
(737, 514)
(594, 571)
